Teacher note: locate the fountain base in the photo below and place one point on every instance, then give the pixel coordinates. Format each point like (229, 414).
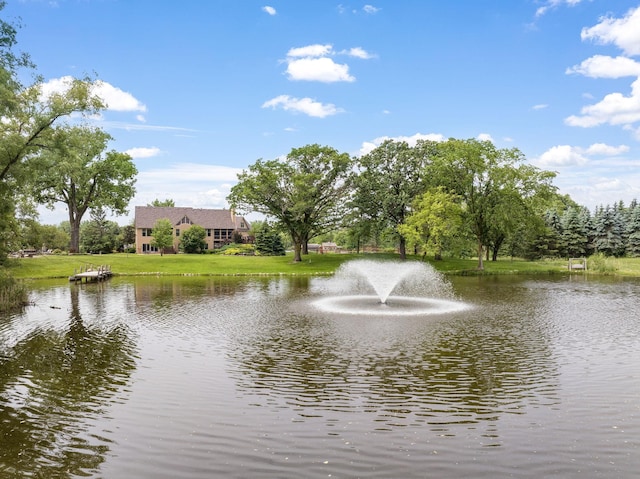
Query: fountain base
(393, 306)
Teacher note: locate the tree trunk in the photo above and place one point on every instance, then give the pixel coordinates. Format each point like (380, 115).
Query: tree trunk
(297, 249)
(496, 247)
(480, 255)
(403, 248)
(74, 225)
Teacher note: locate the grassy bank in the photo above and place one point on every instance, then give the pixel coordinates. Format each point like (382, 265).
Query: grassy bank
(313, 264)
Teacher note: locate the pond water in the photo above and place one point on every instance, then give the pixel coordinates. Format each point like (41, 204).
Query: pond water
(237, 378)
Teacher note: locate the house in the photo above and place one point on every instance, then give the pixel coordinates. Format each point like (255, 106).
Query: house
(328, 247)
(219, 225)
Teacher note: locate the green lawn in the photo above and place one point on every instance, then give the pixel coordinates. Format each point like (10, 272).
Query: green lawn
(314, 264)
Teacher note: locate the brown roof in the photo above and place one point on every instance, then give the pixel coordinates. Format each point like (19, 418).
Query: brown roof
(146, 217)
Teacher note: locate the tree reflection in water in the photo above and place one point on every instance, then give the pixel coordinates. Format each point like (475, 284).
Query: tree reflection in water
(55, 386)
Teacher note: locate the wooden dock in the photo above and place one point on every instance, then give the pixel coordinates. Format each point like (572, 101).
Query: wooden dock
(92, 273)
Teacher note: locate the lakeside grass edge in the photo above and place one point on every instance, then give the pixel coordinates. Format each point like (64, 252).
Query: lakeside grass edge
(63, 266)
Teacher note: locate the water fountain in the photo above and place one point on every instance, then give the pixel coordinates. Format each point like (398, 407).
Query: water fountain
(401, 289)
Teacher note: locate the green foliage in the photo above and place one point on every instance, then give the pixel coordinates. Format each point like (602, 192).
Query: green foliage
(158, 203)
(608, 228)
(77, 172)
(162, 235)
(193, 240)
(234, 249)
(574, 230)
(268, 241)
(633, 232)
(498, 192)
(50, 237)
(304, 193)
(389, 178)
(26, 126)
(99, 235)
(434, 221)
(600, 263)
(13, 293)
(127, 238)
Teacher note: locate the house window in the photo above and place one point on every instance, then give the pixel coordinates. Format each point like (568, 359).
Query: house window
(185, 221)
(209, 232)
(147, 231)
(147, 248)
(242, 224)
(177, 231)
(221, 235)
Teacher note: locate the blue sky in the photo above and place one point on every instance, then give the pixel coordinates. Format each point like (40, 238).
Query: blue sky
(199, 90)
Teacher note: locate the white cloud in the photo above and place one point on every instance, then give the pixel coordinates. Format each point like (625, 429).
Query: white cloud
(314, 63)
(318, 69)
(540, 106)
(270, 10)
(566, 155)
(635, 132)
(614, 109)
(190, 184)
(606, 150)
(622, 32)
(316, 50)
(370, 9)
(562, 155)
(552, 4)
(608, 185)
(308, 106)
(359, 53)
(368, 146)
(602, 66)
(485, 137)
(187, 173)
(140, 127)
(142, 152)
(114, 98)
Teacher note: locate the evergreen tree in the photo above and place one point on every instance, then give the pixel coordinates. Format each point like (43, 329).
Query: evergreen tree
(633, 231)
(609, 232)
(573, 238)
(99, 235)
(587, 224)
(268, 241)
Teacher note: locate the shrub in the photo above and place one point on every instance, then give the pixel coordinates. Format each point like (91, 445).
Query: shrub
(13, 294)
(235, 248)
(599, 263)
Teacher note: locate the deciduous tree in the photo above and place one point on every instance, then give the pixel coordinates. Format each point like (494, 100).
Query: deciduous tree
(494, 187)
(389, 178)
(27, 120)
(193, 240)
(435, 219)
(304, 192)
(78, 173)
(162, 235)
